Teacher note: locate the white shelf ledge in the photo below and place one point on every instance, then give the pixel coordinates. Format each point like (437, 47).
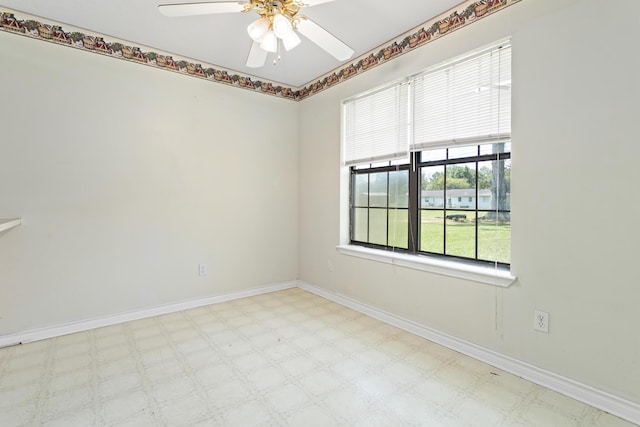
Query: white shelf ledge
(6, 224)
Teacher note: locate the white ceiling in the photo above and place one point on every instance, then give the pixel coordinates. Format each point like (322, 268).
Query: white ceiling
(221, 40)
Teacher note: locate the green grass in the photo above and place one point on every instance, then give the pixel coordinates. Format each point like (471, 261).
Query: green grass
(494, 238)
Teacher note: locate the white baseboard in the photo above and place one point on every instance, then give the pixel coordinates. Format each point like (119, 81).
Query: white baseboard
(99, 322)
(605, 401)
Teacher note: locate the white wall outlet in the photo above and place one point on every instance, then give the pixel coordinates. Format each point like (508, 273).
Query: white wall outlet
(541, 321)
(202, 269)
(329, 265)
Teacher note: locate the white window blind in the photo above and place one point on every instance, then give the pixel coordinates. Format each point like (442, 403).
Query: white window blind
(465, 102)
(376, 126)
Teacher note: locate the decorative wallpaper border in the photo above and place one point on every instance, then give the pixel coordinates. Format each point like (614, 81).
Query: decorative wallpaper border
(464, 14)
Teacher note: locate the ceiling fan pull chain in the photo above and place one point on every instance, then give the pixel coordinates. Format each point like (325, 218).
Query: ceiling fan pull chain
(278, 56)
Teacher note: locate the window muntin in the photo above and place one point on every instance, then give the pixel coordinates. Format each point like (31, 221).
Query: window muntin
(478, 228)
(379, 204)
(462, 204)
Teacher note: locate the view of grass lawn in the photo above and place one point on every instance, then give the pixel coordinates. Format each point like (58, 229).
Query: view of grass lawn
(494, 238)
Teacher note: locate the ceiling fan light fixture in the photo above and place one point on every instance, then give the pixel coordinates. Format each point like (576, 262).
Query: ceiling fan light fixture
(281, 26)
(290, 41)
(258, 29)
(279, 20)
(269, 42)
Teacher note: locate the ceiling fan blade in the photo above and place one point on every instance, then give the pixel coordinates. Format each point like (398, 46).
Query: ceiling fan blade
(190, 9)
(324, 39)
(257, 56)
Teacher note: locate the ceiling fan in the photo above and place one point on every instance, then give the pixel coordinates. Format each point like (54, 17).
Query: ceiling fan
(279, 20)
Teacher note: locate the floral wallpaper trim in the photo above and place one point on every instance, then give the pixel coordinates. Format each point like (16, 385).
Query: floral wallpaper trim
(464, 14)
(35, 28)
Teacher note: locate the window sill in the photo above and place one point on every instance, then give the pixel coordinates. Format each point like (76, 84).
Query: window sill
(485, 275)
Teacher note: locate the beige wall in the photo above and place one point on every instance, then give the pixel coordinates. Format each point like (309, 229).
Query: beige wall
(127, 178)
(574, 198)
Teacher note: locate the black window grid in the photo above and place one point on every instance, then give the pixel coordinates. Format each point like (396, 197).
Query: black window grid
(415, 166)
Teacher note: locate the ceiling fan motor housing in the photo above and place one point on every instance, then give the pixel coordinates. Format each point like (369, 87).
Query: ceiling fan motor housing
(268, 9)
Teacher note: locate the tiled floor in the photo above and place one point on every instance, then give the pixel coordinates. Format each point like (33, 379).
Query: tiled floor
(288, 358)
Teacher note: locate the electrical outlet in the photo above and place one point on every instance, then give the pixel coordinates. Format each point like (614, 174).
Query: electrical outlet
(202, 269)
(329, 265)
(541, 321)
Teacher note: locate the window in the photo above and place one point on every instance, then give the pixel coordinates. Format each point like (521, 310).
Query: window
(474, 231)
(380, 205)
(442, 186)
(383, 203)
